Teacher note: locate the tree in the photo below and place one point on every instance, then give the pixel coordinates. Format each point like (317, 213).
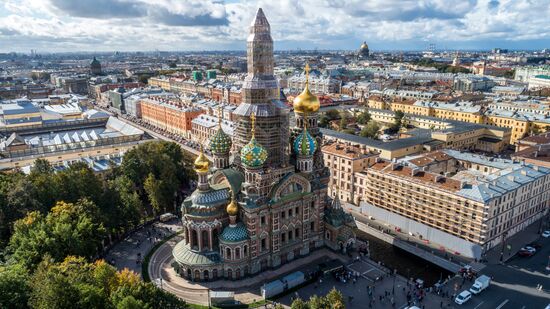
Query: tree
(336, 299)
(323, 121)
(158, 170)
(397, 122)
(75, 283)
(344, 120)
(143, 79)
(370, 130)
(14, 284)
(332, 114)
(298, 303)
(77, 182)
(153, 188)
(316, 302)
(17, 197)
(363, 118)
(69, 229)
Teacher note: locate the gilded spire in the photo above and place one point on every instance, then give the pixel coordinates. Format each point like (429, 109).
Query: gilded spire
(307, 69)
(220, 116)
(201, 163)
(306, 101)
(253, 124)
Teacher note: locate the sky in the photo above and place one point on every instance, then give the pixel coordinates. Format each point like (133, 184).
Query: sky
(191, 25)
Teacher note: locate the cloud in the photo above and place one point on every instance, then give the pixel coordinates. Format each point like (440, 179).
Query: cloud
(306, 24)
(167, 12)
(99, 8)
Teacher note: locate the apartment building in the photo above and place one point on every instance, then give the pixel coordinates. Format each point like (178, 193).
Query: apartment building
(343, 162)
(480, 202)
(204, 126)
(520, 121)
(168, 115)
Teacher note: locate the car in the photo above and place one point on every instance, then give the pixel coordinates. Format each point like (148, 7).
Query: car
(546, 234)
(527, 251)
(463, 297)
(535, 245)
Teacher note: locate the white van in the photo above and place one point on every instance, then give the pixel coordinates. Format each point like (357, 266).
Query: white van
(463, 297)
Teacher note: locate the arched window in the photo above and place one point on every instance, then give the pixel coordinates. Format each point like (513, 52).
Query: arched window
(197, 275)
(215, 274)
(237, 253)
(229, 274)
(194, 239)
(205, 274)
(245, 250)
(205, 240)
(188, 273)
(238, 273)
(228, 254)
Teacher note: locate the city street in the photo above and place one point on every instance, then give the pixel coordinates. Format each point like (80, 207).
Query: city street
(515, 283)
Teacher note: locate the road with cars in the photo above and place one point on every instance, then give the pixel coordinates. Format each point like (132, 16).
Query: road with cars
(523, 282)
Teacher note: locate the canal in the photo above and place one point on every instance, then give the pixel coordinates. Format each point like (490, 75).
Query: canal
(406, 264)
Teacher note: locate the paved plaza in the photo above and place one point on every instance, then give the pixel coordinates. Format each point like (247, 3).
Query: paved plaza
(130, 252)
(375, 287)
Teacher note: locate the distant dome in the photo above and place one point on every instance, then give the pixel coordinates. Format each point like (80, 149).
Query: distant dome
(95, 67)
(95, 62)
(364, 50)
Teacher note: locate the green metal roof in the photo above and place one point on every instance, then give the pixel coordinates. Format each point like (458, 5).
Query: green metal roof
(184, 255)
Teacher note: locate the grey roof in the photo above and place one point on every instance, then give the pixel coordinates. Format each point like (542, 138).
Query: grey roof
(15, 139)
(504, 182)
(21, 106)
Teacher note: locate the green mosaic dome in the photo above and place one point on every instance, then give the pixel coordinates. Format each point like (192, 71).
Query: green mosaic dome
(220, 142)
(305, 144)
(235, 233)
(253, 154)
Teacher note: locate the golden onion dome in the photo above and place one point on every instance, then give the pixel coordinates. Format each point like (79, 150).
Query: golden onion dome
(306, 102)
(232, 208)
(201, 163)
(364, 45)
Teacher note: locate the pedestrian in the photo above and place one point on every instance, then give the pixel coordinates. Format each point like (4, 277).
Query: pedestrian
(441, 304)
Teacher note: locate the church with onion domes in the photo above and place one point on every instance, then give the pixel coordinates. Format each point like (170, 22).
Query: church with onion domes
(262, 202)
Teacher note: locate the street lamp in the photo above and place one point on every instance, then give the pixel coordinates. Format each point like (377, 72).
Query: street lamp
(394, 275)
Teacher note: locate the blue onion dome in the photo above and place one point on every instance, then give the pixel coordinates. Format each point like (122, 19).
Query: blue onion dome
(253, 154)
(220, 142)
(234, 233)
(305, 144)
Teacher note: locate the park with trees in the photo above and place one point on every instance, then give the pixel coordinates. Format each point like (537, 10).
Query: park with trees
(56, 224)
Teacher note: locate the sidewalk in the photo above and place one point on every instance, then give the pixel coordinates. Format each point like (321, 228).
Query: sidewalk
(516, 241)
(367, 292)
(432, 248)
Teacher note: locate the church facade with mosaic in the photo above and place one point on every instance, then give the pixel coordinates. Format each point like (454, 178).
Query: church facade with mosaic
(262, 202)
